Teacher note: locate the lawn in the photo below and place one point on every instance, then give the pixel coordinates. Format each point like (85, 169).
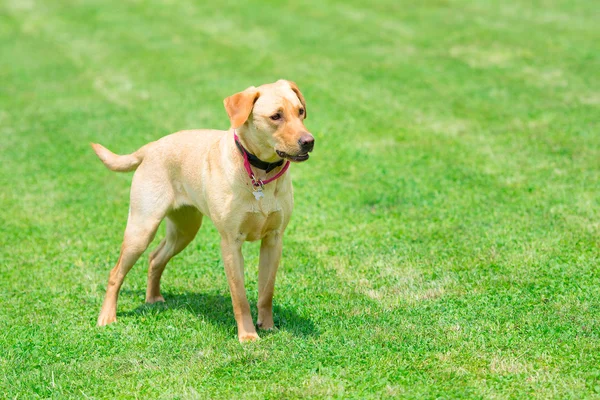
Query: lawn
(445, 238)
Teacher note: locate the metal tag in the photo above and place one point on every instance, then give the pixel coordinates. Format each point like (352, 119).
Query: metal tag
(258, 194)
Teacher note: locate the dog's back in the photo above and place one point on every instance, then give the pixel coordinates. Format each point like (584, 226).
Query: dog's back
(172, 147)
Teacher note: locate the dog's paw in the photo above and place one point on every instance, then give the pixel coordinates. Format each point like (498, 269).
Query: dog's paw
(266, 326)
(248, 337)
(155, 299)
(105, 319)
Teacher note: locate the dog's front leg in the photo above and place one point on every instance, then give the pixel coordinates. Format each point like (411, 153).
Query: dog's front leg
(231, 250)
(270, 254)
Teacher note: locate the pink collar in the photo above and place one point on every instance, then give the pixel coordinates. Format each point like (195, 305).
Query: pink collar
(258, 182)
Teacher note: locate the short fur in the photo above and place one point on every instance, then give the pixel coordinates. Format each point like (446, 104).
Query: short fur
(190, 174)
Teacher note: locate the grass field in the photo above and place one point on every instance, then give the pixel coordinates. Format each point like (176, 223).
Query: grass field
(445, 238)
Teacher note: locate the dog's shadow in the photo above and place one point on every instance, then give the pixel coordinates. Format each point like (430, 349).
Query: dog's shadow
(217, 309)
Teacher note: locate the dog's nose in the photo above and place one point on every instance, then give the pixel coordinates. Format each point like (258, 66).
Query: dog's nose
(306, 142)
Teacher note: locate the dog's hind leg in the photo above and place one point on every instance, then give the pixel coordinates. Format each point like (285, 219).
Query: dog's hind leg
(137, 237)
(182, 226)
(146, 211)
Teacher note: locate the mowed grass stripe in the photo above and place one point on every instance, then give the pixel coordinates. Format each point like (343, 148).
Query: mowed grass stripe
(444, 241)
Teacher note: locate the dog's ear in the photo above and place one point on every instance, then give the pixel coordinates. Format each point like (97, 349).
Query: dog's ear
(240, 105)
(299, 94)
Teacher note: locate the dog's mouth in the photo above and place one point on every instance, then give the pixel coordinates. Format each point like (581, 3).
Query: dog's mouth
(297, 158)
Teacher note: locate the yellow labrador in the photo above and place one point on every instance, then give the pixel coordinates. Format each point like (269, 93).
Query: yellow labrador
(237, 178)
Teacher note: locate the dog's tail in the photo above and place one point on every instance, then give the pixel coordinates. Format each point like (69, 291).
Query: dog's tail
(116, 162)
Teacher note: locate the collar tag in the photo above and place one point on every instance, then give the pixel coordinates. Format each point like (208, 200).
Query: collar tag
(258, 194)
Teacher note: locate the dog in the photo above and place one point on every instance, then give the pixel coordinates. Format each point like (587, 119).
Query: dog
(237, 178)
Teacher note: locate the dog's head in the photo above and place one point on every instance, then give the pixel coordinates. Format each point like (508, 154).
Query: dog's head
(270, 119)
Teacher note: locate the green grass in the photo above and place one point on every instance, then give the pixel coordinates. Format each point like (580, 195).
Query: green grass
(445, 238)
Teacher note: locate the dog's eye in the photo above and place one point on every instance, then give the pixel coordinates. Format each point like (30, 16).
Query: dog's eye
(301, 111)
(276, 116)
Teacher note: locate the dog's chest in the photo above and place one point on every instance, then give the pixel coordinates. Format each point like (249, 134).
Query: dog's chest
(262, 217)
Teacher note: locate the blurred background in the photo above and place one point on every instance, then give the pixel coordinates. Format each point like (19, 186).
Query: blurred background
(444, 240)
